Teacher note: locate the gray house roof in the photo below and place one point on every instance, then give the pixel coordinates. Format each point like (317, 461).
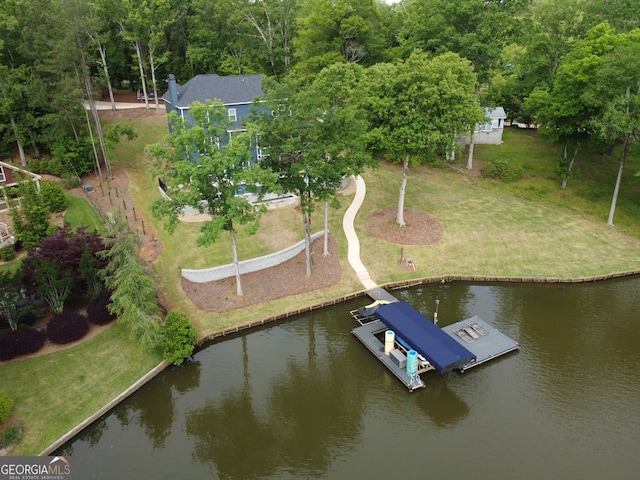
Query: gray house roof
(231, 90)
(497, 112)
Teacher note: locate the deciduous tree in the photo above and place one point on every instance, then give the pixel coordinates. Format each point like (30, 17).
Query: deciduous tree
(203, 172)
(418, 107)
(314, 136)
(617, 87)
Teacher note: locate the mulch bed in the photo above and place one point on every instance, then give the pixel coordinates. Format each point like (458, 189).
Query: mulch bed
(285, 279)
(420, 229)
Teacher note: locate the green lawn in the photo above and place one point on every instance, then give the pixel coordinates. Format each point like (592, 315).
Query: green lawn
(528, 228)
(81, 213)
(55, 392)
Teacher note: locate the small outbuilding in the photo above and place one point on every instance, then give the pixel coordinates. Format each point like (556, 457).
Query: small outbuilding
(490, 131)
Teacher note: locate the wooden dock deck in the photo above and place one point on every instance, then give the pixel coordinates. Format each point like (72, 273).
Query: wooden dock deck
(482, 339)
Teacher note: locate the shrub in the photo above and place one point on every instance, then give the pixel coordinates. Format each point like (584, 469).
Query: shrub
(28, 340)
(53, 196)
(6, 405)
(29, 317)
(7, 346)
(23, 341)
(67, 328)
(7, 253)
(501, 170)
(11, 435)
(178, 338)
(97, 310)
(70, 182)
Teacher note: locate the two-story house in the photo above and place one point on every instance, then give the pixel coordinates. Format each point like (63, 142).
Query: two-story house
(236, 92)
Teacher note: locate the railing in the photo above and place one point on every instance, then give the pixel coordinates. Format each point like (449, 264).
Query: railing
(5, 236)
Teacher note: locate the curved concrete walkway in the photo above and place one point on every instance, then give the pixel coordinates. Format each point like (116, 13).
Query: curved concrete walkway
(353, 252)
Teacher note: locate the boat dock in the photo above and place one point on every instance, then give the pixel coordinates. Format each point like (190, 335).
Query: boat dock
(394, 332)
(396, 361)
(482, 339)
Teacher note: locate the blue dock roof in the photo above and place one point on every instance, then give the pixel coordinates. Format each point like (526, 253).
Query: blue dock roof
(442, 351)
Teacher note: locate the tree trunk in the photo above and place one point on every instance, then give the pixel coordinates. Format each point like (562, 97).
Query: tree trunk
(138, 48)
(105, 69)
(403, 187)
(23, 158)
(618, 180)
(92, 107)
(325, 251)
(94, 112)
(470, 157)
(267, 36)
(93, 145)
(306, 225)
(153, 77)
(234, 249)
(565, 179)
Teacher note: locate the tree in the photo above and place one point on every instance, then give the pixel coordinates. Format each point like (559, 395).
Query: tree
(211, 34)
(623, 15)
(568, 109)
(531, 63)
(133, 297)
(71, 252)
(178, 338)
(10, 294)
(333, 31)
(51, 284)
(30, 215)
(477, 30)
(617, 86)
(203, 172)
(419, 107)
(273, 23)
(314, 136)
(154, 17)
(13, 105)
(340, 131)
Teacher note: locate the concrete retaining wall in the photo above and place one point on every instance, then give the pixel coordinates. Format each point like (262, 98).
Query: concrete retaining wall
(246, 266)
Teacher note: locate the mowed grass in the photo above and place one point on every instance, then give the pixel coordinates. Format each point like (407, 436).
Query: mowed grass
(54, 393)
(528, 228)
(488, 234)
(589, 190)
(81, 214)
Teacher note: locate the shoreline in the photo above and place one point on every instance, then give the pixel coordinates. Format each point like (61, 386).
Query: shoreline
(249, 326)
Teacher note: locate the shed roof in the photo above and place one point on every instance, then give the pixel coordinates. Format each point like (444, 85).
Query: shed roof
(497, 112)
(231, 90)
(442, 351)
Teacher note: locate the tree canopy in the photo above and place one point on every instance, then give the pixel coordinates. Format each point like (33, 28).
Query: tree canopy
(419, 107)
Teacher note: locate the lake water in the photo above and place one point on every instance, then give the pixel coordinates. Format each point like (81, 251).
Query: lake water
(304, 399)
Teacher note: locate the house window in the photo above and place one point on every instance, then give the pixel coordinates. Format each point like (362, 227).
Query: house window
(233, 116)
(2, 177)
(485, 127)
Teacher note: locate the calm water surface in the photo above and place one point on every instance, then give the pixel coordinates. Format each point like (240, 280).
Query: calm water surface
(304, 399)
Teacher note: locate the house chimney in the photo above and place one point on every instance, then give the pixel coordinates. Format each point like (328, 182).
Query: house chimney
(173, 91)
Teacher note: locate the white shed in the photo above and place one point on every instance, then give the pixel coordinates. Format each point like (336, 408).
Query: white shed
(490, 131)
